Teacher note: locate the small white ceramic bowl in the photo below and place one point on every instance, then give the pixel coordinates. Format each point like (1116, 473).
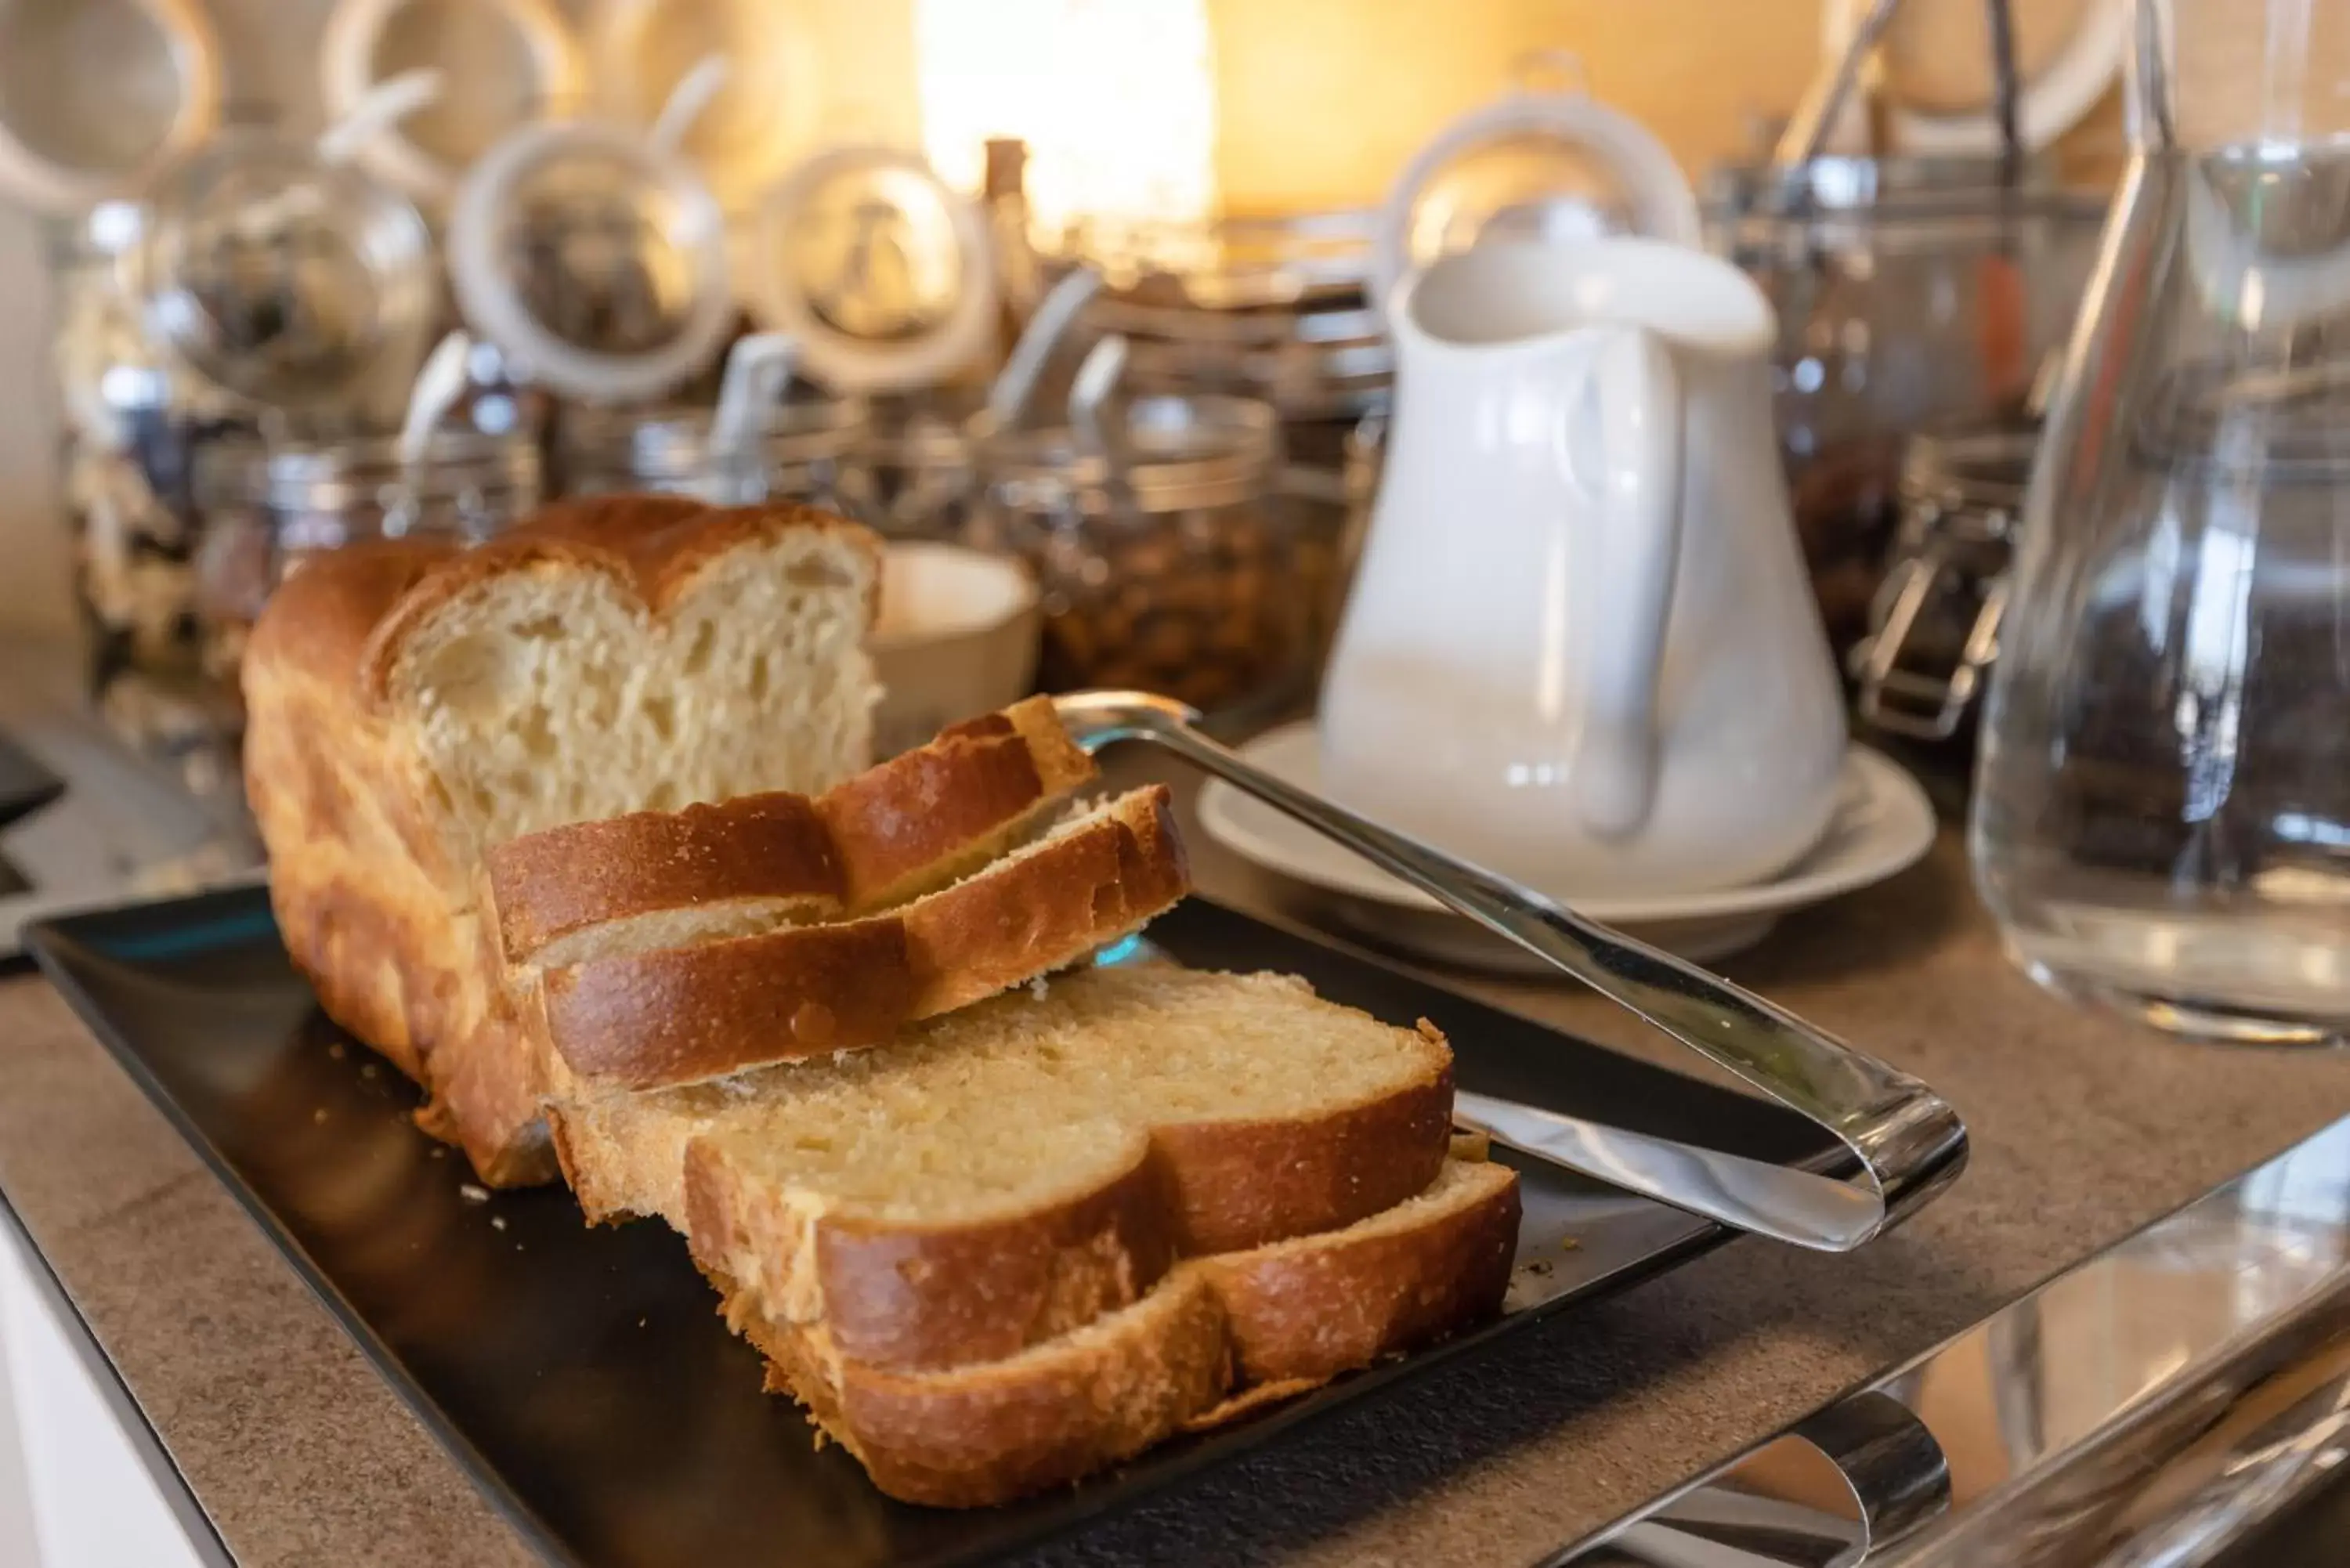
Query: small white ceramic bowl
(957, 638)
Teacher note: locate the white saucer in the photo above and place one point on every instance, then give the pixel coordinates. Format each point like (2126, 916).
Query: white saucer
(1883, 823)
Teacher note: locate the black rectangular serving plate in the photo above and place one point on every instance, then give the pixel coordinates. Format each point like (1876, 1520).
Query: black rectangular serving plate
(583, 1377)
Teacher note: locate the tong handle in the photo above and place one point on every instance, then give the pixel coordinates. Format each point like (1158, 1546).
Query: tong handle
(1908, 1141)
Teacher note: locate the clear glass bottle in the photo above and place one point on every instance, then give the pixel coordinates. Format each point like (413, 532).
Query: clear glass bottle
(2161, 818)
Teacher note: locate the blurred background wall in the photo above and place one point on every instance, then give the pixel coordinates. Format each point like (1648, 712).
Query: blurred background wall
(1315, 103)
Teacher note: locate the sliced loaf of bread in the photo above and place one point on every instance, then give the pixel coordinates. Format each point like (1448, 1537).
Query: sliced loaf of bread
(1004, 1175)
(1030, 1239)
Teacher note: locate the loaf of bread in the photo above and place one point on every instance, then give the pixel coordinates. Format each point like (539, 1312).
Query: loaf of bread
(1035, 1235)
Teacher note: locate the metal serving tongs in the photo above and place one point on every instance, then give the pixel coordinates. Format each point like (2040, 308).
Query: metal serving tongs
(1907, 1142)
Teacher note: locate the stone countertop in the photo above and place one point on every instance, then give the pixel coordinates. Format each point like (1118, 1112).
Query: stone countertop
(2084, 1129)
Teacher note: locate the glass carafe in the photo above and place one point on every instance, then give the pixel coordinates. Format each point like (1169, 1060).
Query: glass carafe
(2162, 812)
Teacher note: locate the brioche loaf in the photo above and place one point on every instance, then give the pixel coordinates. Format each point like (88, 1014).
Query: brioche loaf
(1134, 1181)
(410, 703)
(570, 827)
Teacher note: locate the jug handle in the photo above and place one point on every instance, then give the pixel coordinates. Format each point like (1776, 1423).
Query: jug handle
(1622, 451)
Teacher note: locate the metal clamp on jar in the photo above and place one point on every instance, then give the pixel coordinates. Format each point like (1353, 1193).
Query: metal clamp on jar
(592, 261)
(1160, 546)
(885, 278)
(1934, 625)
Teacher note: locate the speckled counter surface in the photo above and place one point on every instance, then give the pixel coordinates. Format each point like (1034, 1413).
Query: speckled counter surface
(2084, 1128)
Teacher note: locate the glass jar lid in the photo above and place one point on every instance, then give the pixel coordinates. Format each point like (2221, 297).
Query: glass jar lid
(1177, 452)
(1545, 161)
(66, 143)
(288, 280)
(367, 474)
(673, 443)
(502, 65)
(927, 430)
(593, 260)
(882, 274)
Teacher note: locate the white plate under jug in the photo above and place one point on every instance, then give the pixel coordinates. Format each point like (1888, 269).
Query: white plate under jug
(1582, 649)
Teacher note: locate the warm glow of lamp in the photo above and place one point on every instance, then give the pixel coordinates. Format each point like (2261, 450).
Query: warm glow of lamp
(1116, 99)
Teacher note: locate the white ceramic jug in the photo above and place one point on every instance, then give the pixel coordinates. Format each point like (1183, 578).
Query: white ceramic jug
(1582, 649)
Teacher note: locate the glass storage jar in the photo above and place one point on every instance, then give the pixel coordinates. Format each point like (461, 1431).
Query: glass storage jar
(1910, 292)
(1169, 568)
(147, 456)
(921, 460)
(809, 449)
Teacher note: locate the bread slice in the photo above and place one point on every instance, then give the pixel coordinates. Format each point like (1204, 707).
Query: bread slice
(1215, 1339)
(909, 826)
(634, 1009)
(1006, 1174)
(410, 703)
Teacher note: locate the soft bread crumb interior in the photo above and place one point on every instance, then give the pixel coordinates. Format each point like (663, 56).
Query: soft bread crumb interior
(1013, 1102)
(552, 695)
(687, 926)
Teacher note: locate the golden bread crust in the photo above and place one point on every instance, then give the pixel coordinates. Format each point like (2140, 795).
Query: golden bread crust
(1299, 1310)
(562, 880)
(1218, 1338)
(922, 819)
